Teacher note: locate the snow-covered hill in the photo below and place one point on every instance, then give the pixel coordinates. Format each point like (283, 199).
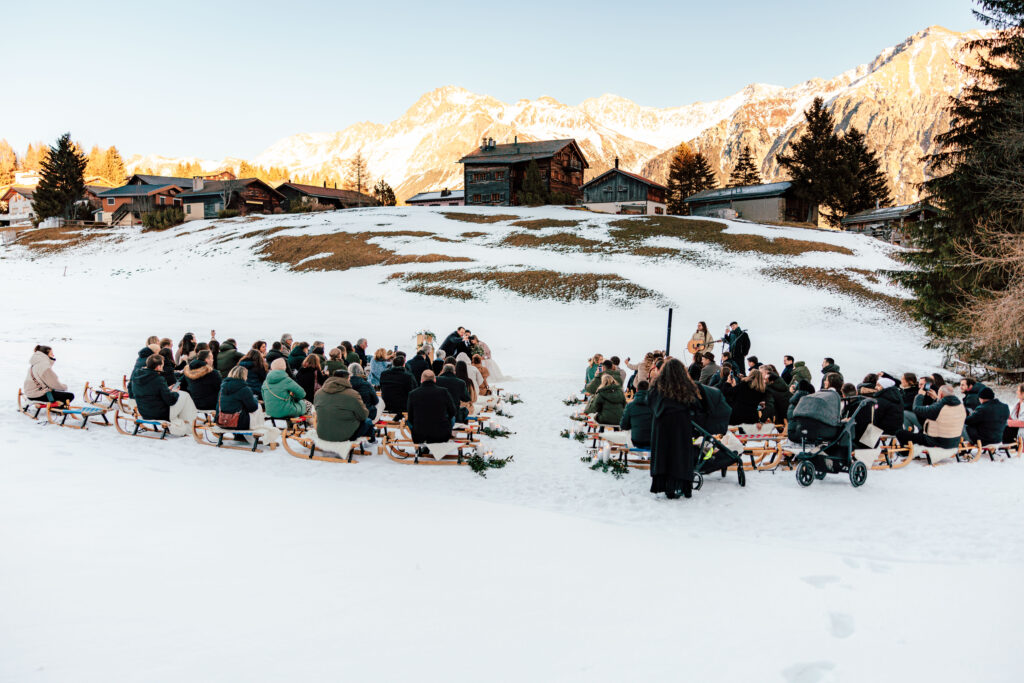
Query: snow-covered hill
(897, 100)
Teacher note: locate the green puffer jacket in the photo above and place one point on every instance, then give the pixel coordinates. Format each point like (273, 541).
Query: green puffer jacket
(339, 410)
(282, 396)
(637, 418)
(800, 371)
(608, 405)
(596, 382)
(227, 358)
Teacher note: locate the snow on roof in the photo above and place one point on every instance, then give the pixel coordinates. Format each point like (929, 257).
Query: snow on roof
(887, 213)
(430, 196)
(332, 192)
(520, 151)
(725, 194)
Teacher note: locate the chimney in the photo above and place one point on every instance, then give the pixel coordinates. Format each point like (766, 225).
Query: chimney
(325, 184)
(197, 183)
(516, 140)
(876, 203)
(616, 162)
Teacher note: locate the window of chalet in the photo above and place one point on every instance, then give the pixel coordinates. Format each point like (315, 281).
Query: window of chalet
(110, 201)
(495, 197)
(658, 210)
(499, 175)
(478, 198)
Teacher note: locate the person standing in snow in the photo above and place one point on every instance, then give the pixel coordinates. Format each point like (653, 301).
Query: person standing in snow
(739, 345)
(673, 399)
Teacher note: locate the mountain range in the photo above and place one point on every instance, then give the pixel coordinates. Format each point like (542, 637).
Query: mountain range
(898, 100)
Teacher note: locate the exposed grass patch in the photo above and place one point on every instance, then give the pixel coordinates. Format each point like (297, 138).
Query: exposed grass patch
(54, 240)
(541, 223)
(472, 234)
(539, 284)
(838, 281)
(631, 230)
(562, 241)
(348, 250)
(438, 238)
(441, 291)
(477, 218)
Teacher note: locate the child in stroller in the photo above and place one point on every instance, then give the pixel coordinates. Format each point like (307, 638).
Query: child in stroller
(826, 441)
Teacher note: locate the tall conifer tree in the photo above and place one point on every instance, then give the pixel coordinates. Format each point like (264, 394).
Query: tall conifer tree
(745, 172)
(62, 182)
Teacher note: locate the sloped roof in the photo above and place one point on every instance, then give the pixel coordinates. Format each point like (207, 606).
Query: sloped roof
(330, 192)
(887, 213)
(646, 181)
(215, 187)
(516, 152)
(727, 194)
(431, 196)
(161, 180)
(25, 192)
(136, 190)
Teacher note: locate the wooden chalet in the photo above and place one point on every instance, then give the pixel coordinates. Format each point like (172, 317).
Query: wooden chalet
(767, 203)
(622, 192)
(888, 222)
(330, 196)
(443, 197)
(245, 195)
(493, 174)
(126, 205)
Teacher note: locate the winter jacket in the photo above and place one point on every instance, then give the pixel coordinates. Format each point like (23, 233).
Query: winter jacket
(637, 418)
(714, 411)
(970, 399)
(800, 371)
(227, 358)
(416, 365)
(591, 373)
(596, 382)
(909, 394)
(377, 367)
(850, 406)
(140, 362)
(395, 385)
(340, 410)
(832, 367)
(709, 371)
(453, 345)
(255, 377)
(608, 405)
(745, 409)
(152, 397)
(352, 357)
(942, 420)
(168, 371)
(310, 379)
(40, 377)
(202, 383)
(236, 397)
(455, 387)
(282, 396)
(889, 411)
(332, 365)
(672, 450)
(793, 401)
(295, 358)
(642, 369)
(739, 343)
(987, 423)
(778, 399)
(431, 412)
(366, 392)
(694, 370)
(273, 355)
(787, 374)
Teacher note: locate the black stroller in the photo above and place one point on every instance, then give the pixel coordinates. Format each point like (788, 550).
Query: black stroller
(713, 455)
(826, 447)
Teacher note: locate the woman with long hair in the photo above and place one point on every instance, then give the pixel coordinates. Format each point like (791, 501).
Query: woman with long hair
(378, 364)
(673, 399)
(751, 395)
(478, 363)
(462, 372)
(186, 351)
(592, 366)
(702, 340)
(310, 377)
(256, 371)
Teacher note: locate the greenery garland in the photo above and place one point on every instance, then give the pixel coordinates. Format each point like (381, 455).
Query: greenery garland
(573, 401)
(495, 432)
(480, 464)
(512, 399)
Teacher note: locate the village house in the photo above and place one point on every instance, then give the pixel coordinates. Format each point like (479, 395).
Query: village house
(328, 196)
(887, 223)
(443, 197)
(19, 206)
(126, 205)
(769, 203)
(143, 179)
(245, 195)
(622, 192)
(493, 174)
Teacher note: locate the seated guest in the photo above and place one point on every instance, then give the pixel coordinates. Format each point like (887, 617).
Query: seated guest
(201, 381)
(357, 378)
(378, 364)
(988, 422)
(255, 370)
(709, 368)
(274, 353)
(609, 401)
(310, 377)
(341, 414)
(474, 374)
(282, 396)
(943, 420)
(623, 375)
(431, 411)
(227, 357)
(462, 372)
(335, 362)
(41, 382)
(752, 364)
(456, 388)
(637, 417)
(296, 356)
(236, 397)
(169, 364)
(851, 401)
(971, 389)
(152, 346)
(1016, 421)
(478, 363)
(318, 350)
(606, 367)
(777, 391)
(155, 401)
(395, 385)
(593, 367)
(417, 364)
(787, 369)
(800, 389)
(696, 367)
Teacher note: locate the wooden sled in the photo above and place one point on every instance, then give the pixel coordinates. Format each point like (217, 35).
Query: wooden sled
(62, 414)
(32, 409)
(206, 432)
(302, 444)
(411, 453)
(106, 397)
(132, 424)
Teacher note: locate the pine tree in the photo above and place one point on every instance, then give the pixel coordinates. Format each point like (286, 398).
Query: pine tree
(533, 191)
(978, 176)
(113, 166)
(813, 161)
(383, 193)
(8, 163)
(745, 172)
(703, 176)
(865, 186)
(680, 170)
(357, 173)
(62, 181)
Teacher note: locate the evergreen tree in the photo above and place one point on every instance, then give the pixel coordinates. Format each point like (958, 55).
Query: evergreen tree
(865, 185)
(533, 192)
(978, 182)
(113, 166)
(688, 174)
(8, 163)
(383, 193)
(703, 176)
(62, 181)
(813, 161)
(34, 156)
(745, 172)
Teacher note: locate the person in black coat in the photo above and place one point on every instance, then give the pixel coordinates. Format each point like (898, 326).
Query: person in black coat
(431, 412)
(751, 395)
(275, 353)
(169, 375)
(787, 369)
(673, 400)
(236, 397)
(357, 378)
(202, 382)
(140, 363)
(456, 388)
(256, 372)
(417, 364)
(453, 343)
(988, 422)
(153, 398)
(889, 411)
(395, 385)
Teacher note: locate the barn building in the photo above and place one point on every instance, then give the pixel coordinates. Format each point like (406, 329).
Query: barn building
(493, 174)
(622, 192)
(770, 203)
(886, 223)
(327, 196)
(444, 197)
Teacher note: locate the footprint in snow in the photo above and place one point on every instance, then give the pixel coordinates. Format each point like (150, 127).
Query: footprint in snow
(820, 580)
(809, 672)
(840, 625)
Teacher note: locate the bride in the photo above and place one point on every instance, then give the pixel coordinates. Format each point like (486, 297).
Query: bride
(481, 348)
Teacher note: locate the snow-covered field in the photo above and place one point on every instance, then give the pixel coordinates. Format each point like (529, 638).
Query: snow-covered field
(128, 560)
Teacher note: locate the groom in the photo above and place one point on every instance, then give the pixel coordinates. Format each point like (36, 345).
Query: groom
(456, 343)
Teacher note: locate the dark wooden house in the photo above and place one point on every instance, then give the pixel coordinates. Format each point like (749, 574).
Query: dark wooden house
(493, 174)
(768, 203)
(245, 195)
(888, 222)
(618, 191)
(328, 196)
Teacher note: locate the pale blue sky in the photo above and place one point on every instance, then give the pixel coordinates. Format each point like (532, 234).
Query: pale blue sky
(213, 79)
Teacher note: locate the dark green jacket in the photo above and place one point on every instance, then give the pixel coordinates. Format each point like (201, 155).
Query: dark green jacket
(608, 405)
(637, 418)
(800, 371)
(227, 358)
(596, 382)
(339, 410)
(295, 359)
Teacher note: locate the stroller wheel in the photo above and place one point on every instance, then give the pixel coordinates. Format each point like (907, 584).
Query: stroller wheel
(858, 474)
(741, 475)
(805, 473)
(698, 481)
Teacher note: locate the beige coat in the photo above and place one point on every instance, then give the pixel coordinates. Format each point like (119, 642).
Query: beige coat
(41, 377)
(704, 338)
(949, 424)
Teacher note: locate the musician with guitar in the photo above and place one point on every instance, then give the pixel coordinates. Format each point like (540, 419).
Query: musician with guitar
(701, 340)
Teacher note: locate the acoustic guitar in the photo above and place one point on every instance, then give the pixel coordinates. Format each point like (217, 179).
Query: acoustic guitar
(695, 347)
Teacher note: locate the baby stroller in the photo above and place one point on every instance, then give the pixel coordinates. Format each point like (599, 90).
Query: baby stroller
(712, 455)
(826, 441)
